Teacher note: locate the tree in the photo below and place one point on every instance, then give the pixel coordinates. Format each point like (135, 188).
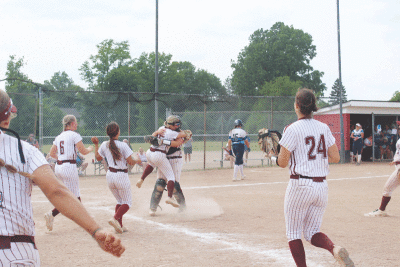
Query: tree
(280, 51)
(281, 86)
(395, 97)
(110, 55)
(335, 94)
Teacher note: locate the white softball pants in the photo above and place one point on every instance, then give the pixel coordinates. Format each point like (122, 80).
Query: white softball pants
(68, 174)
(305, 204)
(392, 183)
(20, 254)
(159, 159)
(120, 187)
(176, 165)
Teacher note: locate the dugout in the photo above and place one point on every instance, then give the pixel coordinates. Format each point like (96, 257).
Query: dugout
(368, 113)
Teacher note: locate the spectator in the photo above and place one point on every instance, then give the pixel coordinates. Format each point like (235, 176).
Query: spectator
(367, 150)
(228, 156)
(246, 150)
(393, 134)
(143, 158)
(80, 164)
(187, 149)
(385, 148)
(31, 140)
(129, 145)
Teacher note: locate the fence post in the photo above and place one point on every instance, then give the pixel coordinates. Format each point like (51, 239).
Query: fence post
(40, 118)
(205, 132)
(222, 139)
(272, 113)
(129, 121)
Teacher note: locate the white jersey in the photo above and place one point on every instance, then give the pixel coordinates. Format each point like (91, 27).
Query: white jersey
(357, 133)
(308, 141)
(168, 135)
(15, 190)
(396, 156)
(237, 136)
(66, 145)
(125, 150)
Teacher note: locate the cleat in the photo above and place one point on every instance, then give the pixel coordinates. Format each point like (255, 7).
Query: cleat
(49, 220)
(139, 183)
(342, 256)
(124, 229)
(172, 201)
(243, 176)
(234, 179)
(376, 213)
(152, 212)
(114, 223)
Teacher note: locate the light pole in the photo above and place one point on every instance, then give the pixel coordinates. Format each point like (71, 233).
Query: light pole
(342, 154)
(156, 74)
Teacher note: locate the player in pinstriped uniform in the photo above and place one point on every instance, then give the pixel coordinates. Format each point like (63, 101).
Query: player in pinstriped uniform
(308, 146)
(170, 132)
(64, 149)
(17, 228)
(391, 184)
(118, 155)
(237, 140)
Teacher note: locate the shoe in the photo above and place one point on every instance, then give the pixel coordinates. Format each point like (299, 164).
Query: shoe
(139, 183)
(342, 256)
(243, 176)
(172, 201)
(49, 220)
(234, 179)
(114, 223)
(152, 212)
(124, 229)
(376, 213)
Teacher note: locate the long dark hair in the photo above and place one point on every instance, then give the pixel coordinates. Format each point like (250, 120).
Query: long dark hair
(112, 131)
(306, 101)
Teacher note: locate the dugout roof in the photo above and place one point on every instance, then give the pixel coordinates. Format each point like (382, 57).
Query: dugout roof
(363, 107)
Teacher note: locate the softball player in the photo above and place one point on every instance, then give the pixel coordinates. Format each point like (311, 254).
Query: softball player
(118, 155)
(308, 146)
(237, 141)
(166, 172)
(357, 135)
(64, 149)
(17, 240)
(391, 184)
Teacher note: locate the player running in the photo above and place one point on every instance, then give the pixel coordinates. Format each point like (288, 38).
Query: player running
(308, 145)
(118, 155)
(64, 149)
(391, 184)
(237, 141)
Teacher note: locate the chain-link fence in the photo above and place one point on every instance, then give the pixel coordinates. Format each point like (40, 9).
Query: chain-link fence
(210, 118)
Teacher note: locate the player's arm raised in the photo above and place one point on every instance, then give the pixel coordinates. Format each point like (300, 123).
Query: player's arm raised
(95, 141)
(71, 207)
(81, 148)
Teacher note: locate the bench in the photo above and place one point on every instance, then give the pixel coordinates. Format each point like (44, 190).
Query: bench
(262, 161)
(98, 166)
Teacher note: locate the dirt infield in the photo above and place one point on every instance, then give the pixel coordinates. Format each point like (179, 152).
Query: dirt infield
(227, 223)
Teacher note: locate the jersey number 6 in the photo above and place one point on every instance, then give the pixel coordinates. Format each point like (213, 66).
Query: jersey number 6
(321, 148)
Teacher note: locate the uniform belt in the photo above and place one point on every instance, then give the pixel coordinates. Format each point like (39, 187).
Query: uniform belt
(315, 179)
(159, 150)
(6, 240)
(174, 157)
(60, 162)
(397, 162)
(117, 170)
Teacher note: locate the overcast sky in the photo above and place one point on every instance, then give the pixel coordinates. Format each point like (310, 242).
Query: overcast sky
(57, 36)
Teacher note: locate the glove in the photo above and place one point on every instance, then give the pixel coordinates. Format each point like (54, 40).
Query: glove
(230, 152)
(248, 149)
(95, 140)
(188, 135)
(154, 141)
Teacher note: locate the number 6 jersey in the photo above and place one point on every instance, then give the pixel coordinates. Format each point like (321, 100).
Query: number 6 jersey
(308, 141)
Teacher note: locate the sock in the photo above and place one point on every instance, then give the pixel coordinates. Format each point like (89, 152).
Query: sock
(241, 169)
(120, 212)
(358, 158)
(235, 171)
(117, 207)
(298, 253)
(385, 201)
(322, 241)
(55, 212)
(147, 171)
(170, 187)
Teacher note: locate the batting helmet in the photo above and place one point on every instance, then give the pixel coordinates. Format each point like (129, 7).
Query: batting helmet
(238, 123)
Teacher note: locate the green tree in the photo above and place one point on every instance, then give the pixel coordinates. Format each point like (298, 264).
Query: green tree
(281, 86)
(334, 98)
(280, 51)
(395, 97)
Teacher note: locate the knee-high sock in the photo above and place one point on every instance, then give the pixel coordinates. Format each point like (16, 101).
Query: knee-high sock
(241, 170)
(322, 241)
(358, 158)
(170, 187)
(146, 172)
(385, 201)
(235, 171)
(120, 212)
(117, 207)
(298, 253)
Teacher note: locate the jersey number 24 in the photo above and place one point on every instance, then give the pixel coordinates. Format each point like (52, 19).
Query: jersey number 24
(320, 149)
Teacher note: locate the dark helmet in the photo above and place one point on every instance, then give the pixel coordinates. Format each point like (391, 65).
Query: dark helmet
(238, 123)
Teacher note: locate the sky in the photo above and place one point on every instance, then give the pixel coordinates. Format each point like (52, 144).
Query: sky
(55, 36)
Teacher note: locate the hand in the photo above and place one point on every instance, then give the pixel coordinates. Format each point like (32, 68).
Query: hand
(230, 152)
(161, 131)
(109, 243)
(95, 140)
(137, 159)
(392, 163)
